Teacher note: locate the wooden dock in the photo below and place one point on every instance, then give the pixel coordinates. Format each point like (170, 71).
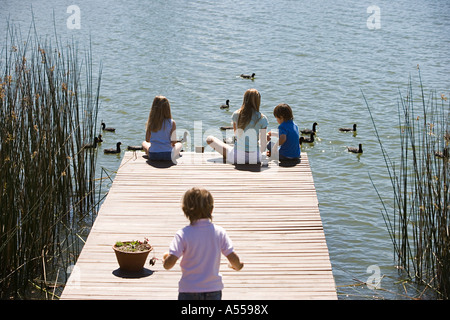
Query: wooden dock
(270, 213)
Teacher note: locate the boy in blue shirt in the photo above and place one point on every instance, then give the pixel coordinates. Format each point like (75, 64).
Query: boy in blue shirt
(288, 145)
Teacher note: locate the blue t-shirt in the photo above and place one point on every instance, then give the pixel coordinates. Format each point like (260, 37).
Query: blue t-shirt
(160, 141)
(291, 147)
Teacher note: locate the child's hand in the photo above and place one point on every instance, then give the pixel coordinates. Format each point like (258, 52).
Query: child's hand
(169, 260)
(268, 135)
(237, 268)
(234, 262)
(165, 256)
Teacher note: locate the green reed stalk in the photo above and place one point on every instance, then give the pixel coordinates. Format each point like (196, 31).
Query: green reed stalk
(419, 220)
(47, 112)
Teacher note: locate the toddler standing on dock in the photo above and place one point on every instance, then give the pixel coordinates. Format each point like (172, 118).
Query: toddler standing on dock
(288, 146)
(201, 244)
(160, 138)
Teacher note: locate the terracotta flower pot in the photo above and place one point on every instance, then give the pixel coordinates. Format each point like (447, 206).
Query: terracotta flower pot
(131, 261)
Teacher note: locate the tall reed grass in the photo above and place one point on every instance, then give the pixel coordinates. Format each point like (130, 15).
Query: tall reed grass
(418, 223)
(48, 111)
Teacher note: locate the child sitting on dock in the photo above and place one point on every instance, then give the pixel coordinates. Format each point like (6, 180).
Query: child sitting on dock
(160, 138)
(249, 126)
(201, 244)
(288, 147)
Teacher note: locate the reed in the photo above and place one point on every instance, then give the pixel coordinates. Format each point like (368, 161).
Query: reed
(48, 110)
(418, 223)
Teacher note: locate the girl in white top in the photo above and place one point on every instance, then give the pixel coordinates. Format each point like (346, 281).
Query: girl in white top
(249, 127)
(201, 244)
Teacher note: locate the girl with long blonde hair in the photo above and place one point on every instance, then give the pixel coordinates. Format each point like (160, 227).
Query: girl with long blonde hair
(249, 127)
(160, 138)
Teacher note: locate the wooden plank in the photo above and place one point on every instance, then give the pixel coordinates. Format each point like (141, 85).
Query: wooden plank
(271, 215)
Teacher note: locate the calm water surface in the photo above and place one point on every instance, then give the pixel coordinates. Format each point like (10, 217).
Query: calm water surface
(317, 56)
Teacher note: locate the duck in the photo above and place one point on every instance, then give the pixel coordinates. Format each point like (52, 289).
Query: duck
(114, 150)
(348, 129)
(91, 145)
(443, 154)
(135, 148)
(226, 105)
(307, 140)
(355, 150)
(309, 131)
(99, 139)
(104, 128)
(247, 76)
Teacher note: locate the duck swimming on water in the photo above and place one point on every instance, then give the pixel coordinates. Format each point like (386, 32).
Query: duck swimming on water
(114, 150)
(355, 150)
(309, 131)
(226, 105)
(105, 128)
(348, 129)
(247, 76)
(443, 154)
(91, 145)
(307, 140)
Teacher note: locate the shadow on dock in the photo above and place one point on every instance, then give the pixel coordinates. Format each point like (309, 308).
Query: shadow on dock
(160, 164)
(289, 163)
(133, 275)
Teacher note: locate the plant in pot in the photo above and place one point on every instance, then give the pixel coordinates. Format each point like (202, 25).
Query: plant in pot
(131, 255)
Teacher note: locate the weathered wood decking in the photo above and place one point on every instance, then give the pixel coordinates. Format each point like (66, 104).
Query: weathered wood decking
(272, 217)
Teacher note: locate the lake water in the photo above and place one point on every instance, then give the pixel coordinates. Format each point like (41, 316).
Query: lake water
(317, 56)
